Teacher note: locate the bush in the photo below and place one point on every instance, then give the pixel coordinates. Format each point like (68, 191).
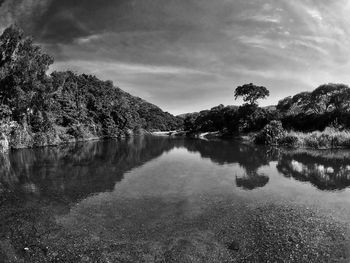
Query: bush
(21, 137)
(271, 134)
(77, 131)
(5, 112)
(46, 138)
(329, 138)
(289, 140)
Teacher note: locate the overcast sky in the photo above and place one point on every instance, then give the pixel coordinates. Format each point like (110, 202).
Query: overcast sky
(189, 55)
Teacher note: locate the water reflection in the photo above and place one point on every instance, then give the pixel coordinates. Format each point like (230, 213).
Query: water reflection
(252, 182)
(326, 170)
(78, 170)
(249, 157)
(126, 197)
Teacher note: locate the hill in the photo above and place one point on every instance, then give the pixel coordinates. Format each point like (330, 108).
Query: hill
(37, 109)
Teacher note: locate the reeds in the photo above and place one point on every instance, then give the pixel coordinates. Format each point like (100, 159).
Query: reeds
(327, 139)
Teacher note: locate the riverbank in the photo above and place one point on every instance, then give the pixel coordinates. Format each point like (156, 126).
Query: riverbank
(320, 140)
(199, 135)
(328, 139)
(20, 137)
(16, 136)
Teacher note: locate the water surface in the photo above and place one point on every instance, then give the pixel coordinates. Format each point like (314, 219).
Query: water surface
(155, 199)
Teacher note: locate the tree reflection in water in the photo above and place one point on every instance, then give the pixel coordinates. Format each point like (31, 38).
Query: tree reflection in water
(75, 171)
(249, 157)
(37, 186)
(326, 170)
(251, 182)
(78, 170)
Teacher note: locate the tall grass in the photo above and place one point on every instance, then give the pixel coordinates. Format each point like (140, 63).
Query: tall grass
(327, 139)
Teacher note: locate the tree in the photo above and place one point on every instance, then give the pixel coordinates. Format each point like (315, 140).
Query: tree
(328, 97)
(285, 104)
(23, 66)
(250, 116)
(251, 93)
(321, 98)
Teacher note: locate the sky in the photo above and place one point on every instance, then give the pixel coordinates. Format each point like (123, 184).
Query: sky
(190, 55)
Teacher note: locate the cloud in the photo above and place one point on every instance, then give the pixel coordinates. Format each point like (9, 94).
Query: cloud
(124, 68)
(314, 14)
(22, 12)
(188, 55)
(266, 18)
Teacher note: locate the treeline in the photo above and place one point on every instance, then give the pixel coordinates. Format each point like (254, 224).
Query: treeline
(233, 120)
(39, 109)
(326, 108)
(329, 104)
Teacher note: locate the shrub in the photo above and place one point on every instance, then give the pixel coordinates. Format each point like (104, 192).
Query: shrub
(289, 140)
(5, 112)
(271, 134)
(311, 140)
(77, 131)
(329, 138)
(21, 137)
(46, 138)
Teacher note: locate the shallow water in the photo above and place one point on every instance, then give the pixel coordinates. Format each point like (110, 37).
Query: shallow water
(156, 199)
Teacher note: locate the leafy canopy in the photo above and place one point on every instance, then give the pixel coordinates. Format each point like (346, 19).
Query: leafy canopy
(71, 104)
(23, 66)
(251, 93)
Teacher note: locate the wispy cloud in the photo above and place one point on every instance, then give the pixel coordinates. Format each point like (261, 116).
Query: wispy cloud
(21, 10)
(123, 68)
(187, 55)
(266, 18)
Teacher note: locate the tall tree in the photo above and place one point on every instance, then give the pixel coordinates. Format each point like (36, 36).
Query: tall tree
(251, 93)
(23, 66)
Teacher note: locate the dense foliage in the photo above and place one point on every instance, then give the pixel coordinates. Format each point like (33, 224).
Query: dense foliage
(41, 109)
(328, 106)
(232, 120)
(316, 110)
(251, 93)
(271, 134)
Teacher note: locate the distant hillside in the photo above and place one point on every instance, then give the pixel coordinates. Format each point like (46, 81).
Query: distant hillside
(185, 115)
(37, 109)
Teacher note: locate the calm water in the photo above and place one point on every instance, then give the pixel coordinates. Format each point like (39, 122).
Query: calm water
(155, 199)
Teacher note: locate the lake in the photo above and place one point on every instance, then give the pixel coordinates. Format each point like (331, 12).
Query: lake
(160, 199)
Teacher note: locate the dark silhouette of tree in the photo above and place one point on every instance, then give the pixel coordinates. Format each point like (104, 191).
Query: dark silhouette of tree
(251, 117)
(285, 105)
(251, 93)
(252, 182)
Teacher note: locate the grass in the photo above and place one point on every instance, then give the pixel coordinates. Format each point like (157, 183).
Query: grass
(327, 139)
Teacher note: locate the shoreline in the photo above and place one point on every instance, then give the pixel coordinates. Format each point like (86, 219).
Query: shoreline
(245, 138)
(327, 142)
(30, 140)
